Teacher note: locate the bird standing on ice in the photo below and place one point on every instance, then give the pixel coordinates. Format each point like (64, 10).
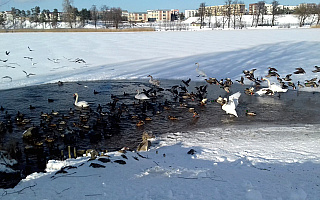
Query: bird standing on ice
(200, 72)
(81, 104)
(154, 81)
(230, 106)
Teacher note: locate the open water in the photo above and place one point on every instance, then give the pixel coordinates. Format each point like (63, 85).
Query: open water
(117, 126)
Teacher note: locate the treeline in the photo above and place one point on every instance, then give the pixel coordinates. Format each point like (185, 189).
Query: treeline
(74, 18)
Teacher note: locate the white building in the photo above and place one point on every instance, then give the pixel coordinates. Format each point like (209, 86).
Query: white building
(190, 13)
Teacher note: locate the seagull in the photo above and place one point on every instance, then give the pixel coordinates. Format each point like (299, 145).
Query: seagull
(30, 58)
(9, 77)
(200, 72)
(28, 75)
(4, 60)
(7, 53)
(230, 106)
(55, 60)
(30, 49)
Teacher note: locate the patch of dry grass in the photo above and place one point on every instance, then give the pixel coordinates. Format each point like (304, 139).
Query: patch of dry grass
(315, 26)
(74, 30)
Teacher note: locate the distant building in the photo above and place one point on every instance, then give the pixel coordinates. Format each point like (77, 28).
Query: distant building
(221, 10)
(190, 13)
(161, 15)
(253, 8)
(138, 17)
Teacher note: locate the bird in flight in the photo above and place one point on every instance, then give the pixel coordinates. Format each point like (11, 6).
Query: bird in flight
(30, 49)
(8, 77)
(7, 53)
(28, 75)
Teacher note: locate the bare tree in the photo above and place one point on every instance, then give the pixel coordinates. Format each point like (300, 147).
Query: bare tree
(228, 11)
(302, 12)
(68, 12)
(318, 13)
(94, 15)
(202, 13)
(104, 15)
(115, 16)
(260, 11)
(14, 16)
(275, 10)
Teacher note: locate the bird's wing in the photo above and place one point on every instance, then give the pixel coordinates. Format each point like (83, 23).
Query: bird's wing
(230, 108)
(234, 98)
(25, 72)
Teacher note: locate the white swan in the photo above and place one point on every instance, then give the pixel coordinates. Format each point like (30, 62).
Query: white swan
(153, 81)
(230, 106)
(200, 72)
(273, 87)
(141, 96)
(82, 104)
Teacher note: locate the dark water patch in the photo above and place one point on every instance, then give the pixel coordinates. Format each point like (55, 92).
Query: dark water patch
(111, 124)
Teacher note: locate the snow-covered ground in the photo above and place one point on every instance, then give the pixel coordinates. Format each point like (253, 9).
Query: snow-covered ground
(242, 162)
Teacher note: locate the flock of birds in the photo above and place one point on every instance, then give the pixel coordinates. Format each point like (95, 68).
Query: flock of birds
(102, 121)
(13, 65)
(183, 94)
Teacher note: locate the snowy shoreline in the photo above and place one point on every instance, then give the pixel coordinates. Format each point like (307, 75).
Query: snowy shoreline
(228, 163)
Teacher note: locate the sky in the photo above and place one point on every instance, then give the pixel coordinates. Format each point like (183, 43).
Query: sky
(131, 6)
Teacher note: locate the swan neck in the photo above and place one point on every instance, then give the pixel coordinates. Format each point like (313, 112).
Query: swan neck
(268, 82)
(76, 99)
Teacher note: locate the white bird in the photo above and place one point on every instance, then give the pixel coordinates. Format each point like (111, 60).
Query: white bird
(271, 87)
(154, 81)
(200, 72)
(230, 106)
(141, 96)
(82, 104)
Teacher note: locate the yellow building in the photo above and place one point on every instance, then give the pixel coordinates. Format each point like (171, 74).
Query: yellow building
(221, 10)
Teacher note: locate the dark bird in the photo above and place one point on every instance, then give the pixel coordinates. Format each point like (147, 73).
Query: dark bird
(28, 75)
(7, 53)
(186, 82)
(30, 58)
(272, 69)
(212, 81)
(299, 70)
(32, 107)
(50, 100)
(241, 80)
(316, 70)
(30, 49)
(287, 78)
(9, 77)
(95, 92)
(4, 60)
